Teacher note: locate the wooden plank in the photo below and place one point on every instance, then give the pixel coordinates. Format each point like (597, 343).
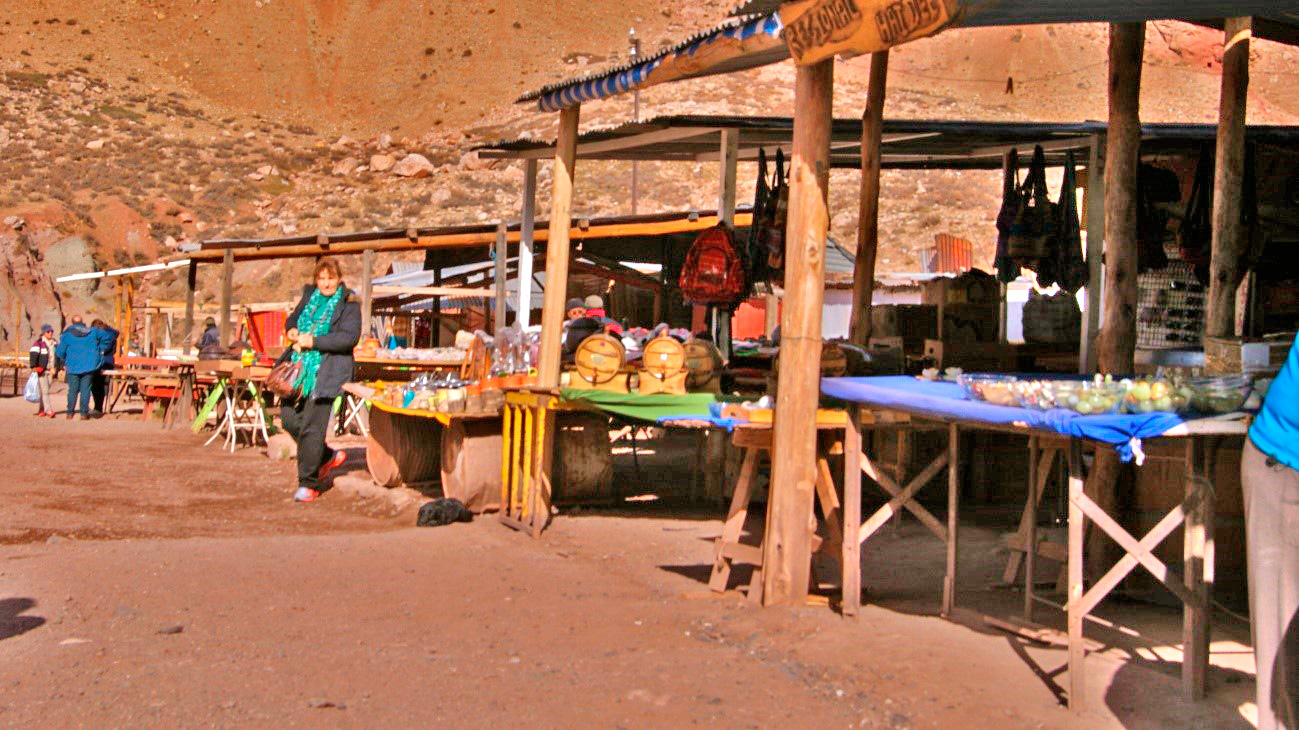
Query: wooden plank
(367, 291)
(1077, 683)
(502, 254)
(730, 146)
(523, 313)
(1197, 562)
(191, 286)
(1035, 486)
(1138, 552)
(868, 202)
(434, 291)
(953, 499)
(227, 296)
(786, 562)
(552, 313)
(733, 527)
(1230, 236)
(1095, 201)
(851, 562)
(904, 497)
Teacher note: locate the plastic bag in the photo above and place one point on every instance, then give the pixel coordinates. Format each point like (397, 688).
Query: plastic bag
(32, 391)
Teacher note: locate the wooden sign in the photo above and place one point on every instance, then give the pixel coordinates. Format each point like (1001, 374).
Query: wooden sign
(818, 29)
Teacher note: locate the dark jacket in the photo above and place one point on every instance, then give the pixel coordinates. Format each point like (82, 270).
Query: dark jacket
(41, 355)
(211, 336)
(78, 350)
(336, 345)
(107, 339)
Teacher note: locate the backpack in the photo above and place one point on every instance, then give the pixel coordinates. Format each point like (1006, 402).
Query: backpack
(713, 271)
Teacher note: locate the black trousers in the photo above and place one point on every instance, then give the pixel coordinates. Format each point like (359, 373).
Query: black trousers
(98, 388)
(306, 420)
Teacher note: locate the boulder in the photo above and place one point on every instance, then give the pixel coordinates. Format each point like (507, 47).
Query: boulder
(413, 165)
(346, 166)
(382, 163)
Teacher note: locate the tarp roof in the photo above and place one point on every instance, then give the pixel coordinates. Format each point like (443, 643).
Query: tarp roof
(907, 144)
(753, 38)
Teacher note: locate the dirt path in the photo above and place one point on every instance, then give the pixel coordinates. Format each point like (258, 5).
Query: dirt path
(181, 589)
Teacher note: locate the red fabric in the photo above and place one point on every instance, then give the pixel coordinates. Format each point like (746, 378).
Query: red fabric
(713, 272)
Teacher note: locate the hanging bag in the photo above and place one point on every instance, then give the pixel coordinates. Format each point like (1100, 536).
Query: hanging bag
(32, 391)
(1070, 269)
(713, 272)
(1035, 216)
(774, 231)
(284, 375)
(756, 246)
(1007, 269)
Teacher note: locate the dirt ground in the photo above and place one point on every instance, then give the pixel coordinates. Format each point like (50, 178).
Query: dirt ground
(148, 580)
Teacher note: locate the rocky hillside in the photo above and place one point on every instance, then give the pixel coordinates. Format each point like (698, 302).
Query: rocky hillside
(130, 126)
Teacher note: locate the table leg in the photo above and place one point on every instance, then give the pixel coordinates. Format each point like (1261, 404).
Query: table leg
(1197, 556)
(1074, 606)
(1030, 529)
(953, 493)
(851, 566)
(735, 518)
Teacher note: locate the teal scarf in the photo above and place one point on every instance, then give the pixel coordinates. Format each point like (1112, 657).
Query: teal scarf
(314, 320)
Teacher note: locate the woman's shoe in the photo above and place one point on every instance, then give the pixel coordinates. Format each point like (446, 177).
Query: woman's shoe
(305, 494)
(40, 413)
(335, 461)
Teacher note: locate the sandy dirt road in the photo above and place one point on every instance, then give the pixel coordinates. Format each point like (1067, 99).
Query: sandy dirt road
(148, 581)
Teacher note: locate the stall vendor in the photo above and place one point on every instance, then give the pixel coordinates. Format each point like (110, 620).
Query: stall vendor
(595, 310)
(1269, 476)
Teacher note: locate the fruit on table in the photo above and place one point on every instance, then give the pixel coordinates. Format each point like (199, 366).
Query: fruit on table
(1149, 395)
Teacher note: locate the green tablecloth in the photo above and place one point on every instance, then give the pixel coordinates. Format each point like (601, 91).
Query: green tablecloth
(644, 407)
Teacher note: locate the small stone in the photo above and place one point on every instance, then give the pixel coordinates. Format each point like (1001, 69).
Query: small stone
(384, 141)
(319, 703)
(345, 166)
(228, 705)
(266, 170)
(382, 163)
(55, 540)
(97, 144)
(413, 165)
(171, 629)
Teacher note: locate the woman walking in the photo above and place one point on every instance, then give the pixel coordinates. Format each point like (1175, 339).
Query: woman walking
(324, 328)
(41, 361)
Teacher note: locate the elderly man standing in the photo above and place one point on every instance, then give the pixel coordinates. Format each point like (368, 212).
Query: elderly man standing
(79, 351)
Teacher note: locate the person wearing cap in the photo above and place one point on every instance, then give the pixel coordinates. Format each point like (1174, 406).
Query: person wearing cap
(41, 359)
(595, 310)
(211, 335)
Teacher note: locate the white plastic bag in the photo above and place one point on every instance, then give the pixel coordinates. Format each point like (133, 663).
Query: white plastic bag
(32, 391)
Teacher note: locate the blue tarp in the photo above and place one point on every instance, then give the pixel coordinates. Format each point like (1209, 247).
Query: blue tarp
(947, 401)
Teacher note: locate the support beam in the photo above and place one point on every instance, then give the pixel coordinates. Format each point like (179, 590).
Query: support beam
(227, 295)
(191, 286)
(730, 149)
(502, 254)
(524, 311)
(367, 291)
(561, 211)
(1230, 237)
(868, 206)
(1095, 213)
(787, 548)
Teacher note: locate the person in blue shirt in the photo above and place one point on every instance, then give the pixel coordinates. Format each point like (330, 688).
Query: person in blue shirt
(1269, 477)
(79, 351)
(107, 339)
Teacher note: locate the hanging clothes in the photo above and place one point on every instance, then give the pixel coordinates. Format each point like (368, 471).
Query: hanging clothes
(1071, 269)
(1007, 269)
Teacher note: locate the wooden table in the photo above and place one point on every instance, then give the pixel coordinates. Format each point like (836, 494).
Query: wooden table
(170, 382)
(238, 392)
(1194, 514)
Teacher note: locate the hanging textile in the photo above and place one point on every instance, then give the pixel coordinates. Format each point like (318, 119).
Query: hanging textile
(1070, 269)
(1007, 269)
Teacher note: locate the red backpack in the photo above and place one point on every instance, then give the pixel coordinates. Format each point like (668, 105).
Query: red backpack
(713, 272)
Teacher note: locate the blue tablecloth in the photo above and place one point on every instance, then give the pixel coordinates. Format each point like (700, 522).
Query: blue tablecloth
(947, 401)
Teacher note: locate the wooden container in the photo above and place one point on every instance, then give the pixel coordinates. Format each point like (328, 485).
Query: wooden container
(704, 365)
(663, 367)
(1233, 355)
(600, 364)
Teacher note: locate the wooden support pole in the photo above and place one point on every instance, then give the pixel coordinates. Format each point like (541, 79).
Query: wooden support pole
(851, 564)
(524, 312)
(561, 211)
(787, 548)
(1230, 238)
(1197, 573)
(1073, 603)
(1118, 339)
(730, 152)
(191, 286)
(501, 253)
(868, 206)
(227, 295)
(1122, 155)
(771, 314)
(953, 503)
(166, 333)
(1095, 213)
(367, 291)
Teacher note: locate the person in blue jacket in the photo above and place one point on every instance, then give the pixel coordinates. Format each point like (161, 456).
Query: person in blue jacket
(107, 339)
(1269, 477)
(78, 350)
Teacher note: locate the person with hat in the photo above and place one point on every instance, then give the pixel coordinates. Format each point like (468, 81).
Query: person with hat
(595, 310)
(41, 360)
(79, 351)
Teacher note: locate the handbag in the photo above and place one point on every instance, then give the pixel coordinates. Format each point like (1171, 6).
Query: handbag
(1034, 226)
(284, 376)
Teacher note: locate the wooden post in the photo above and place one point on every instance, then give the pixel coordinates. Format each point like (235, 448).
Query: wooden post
(1118, 337)
(771, 314)
(561, 213)
(227, 294)
(501, 250)
(524, 313)
(851, 559)
(191, 286)
(1077, 685)
(1230, 238)
(953, 523)
(1095, 213)
(868, 205)
(146, 342)
(1197, 573)
(166, 333)
(787, 546)
(367, 291)
(730, 152)
(1122, 155)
